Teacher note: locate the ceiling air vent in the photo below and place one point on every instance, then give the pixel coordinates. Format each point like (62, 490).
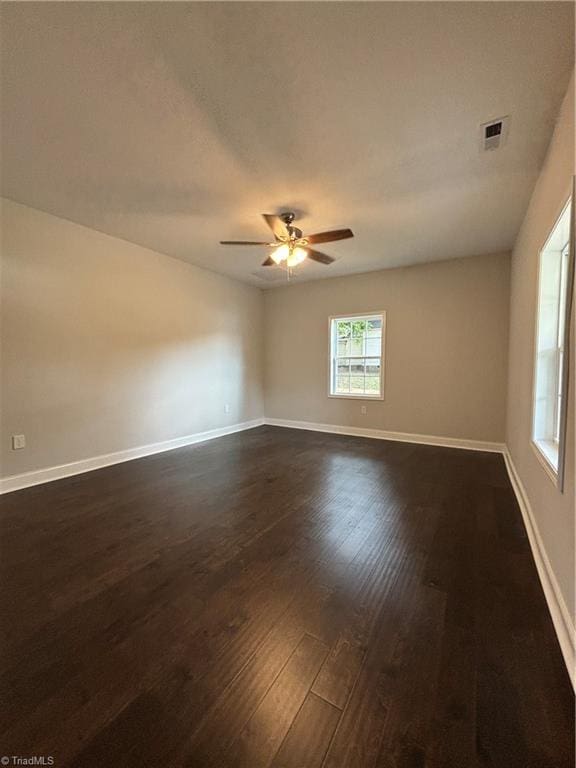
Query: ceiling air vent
(494, 133)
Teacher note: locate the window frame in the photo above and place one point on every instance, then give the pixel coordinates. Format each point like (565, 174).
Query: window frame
(356, 316)
(551, 453)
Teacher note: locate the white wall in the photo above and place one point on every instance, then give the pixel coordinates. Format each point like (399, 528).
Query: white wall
(554, 512)
(108, 346)
(446, 348)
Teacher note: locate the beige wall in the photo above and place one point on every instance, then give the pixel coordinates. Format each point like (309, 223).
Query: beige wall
(108, 346)
(554, 511)
(446, 348)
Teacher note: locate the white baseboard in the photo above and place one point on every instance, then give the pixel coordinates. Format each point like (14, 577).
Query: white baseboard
(36, 477)
(381, 434)
(561, 618)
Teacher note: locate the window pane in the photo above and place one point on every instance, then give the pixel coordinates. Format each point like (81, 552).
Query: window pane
(563, 296)
(357, 385)
(372, 385)
(343, 368)
(547, 361)
(342, 384)
(344, 347)
(358, 327)
(558, 413)
(357, 346)
(373, 346)
(374, 327)
(373, 367)
(357, 368)
(343, 329)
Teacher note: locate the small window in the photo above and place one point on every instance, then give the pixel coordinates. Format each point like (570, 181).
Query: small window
(550, 374)
(357, 356)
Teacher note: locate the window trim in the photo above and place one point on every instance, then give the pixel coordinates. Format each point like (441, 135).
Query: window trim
(539, 448)
(352, 316)
(543, 449)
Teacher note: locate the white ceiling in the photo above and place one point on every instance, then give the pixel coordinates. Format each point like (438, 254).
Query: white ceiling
(174, 125)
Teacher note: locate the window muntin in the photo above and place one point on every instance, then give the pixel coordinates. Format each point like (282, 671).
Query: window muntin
(549, 378)
(356, 351)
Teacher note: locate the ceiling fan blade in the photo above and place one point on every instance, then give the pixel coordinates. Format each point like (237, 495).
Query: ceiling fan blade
(329, 237)
(269, 262)
(321, 258)
(276, 225)
(243, 242)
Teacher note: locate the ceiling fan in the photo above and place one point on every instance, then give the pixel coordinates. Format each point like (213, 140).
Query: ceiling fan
(290, 246)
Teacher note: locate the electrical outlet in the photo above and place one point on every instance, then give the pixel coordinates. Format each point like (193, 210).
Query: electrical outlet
(226, 408)
(18, 442)
(363, 410)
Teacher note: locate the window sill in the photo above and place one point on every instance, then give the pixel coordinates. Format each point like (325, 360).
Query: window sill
(357, 397)
(547, 454)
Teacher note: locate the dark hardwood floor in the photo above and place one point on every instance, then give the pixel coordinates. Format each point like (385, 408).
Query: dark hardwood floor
(280, 598)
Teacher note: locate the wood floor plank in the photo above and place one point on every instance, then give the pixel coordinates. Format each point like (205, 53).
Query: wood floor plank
(265, 731)
(389, 636)
(412, 680)
(454, 558)
(309, 736)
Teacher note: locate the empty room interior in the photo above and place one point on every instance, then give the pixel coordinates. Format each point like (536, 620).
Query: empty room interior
(287, 384)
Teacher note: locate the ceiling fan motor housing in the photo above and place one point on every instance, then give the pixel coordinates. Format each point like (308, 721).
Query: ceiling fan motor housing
(287, 217)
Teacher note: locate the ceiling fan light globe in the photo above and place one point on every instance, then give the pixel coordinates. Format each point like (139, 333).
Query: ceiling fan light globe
(296, 257)
(280, 254)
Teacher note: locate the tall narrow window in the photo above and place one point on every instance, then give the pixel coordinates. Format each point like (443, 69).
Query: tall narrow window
(550, 375)
(356, 356)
